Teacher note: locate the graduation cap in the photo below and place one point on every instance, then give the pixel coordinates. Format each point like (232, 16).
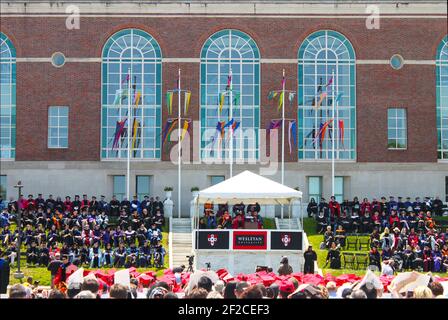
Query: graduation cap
(77, 196)
(93, 197)
(84, 195)
(146, 197)
(103, 196)
(30, 195)
(135, 196)
(400, 197)
(391, 197)
(408, 198)
(67, 197)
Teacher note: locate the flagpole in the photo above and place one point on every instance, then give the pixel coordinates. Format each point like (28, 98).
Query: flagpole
(178, 149)
(283, 133)
(231, 117)
(333, 136)
(128, 171)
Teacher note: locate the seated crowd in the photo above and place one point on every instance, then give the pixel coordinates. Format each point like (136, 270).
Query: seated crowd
(241, 217)
(403, 235)
(79, 232)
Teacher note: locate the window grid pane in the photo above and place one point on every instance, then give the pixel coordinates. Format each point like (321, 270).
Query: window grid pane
(397, 128)
(137, 51)
(57, 127)
(222, 51)
(442, 99)
(143, 186)
(314, 188)
(3, 187)
(119, 187)
(7, 98)
(321, 54)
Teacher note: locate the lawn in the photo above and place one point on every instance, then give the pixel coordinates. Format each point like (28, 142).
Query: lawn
(43, 276)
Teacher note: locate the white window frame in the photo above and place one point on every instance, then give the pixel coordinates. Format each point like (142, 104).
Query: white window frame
(394, 119)
(58, 127)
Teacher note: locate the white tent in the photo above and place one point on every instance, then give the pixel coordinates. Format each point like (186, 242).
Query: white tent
(248, 187)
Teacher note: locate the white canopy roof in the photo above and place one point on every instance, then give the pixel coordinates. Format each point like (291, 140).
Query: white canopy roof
(248, 187)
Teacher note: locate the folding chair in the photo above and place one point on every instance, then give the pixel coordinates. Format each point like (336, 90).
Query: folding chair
(362, 259)
(349, 260)
(351, 242)
(363, 242)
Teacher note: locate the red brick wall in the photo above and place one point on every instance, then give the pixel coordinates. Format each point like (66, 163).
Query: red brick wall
(78, 85)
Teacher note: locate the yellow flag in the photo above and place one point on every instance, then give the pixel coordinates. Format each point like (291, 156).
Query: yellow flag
(187, 101)
(184, 131)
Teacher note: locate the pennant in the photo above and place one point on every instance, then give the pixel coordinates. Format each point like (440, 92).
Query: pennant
(339, 96)
(229, 123)
(280, 101)
(137, 98)
(134, 132)
(312, 134)
(322, 97)
(126, 79)
(330, 81)
(120, 95)
(184, 130)
(341, 131)
(236, 98)
(319, 88)
(221, 101)
(169, 102)
(187, 101)
(119, 130)
(283, 81)
(291, 96)
(229, 82)
(289, 136)
(165, 131)
(294, 132)
(170, 130)
(235, 126)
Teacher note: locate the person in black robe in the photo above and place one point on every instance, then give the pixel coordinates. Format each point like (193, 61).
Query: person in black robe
(53, 267)
(157, 205)
(120, 256)
(4, 274)
(76, 204)
(44, 255)
(437, 206)
(125, 205)
(334, 257)
(312, 208)
(114, 207)
(310, 257)
(50, 202)
(375, 258)
(108, 255)
(94, 204)
(322, 223)
(146, 204)
(32, 254)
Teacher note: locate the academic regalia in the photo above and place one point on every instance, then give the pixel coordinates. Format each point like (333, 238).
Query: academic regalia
(95, 256)
(119, 257)
(310, 258)
(4, 275)
(374, 259)
(32, 255)
(334, 257)
(125, 205)
(427, 260)
(114, 207)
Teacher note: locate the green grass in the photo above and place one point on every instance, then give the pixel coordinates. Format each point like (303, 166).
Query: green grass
(268, 223)
(309, 225)
(42, 275)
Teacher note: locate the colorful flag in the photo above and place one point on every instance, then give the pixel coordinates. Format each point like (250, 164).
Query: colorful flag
(339, 96)
(330, 81)
(137, 98)
(341, 131)
(321, 98)
(169, 102)
(289, 136)
(185, 129)
(222, 97)
(236, 98)
(187, 101)
(280, 101)
(291, 97)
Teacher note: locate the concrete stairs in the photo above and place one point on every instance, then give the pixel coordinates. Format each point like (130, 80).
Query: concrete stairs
(180, 241)
(285, 224)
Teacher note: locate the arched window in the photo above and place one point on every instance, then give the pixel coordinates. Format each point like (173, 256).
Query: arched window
(7, 98)
(225, 50)
(137, 53)
(320, 54)
(442, 98)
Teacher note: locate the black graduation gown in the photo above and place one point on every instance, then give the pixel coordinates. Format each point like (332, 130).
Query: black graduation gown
(334, 256)
(4, 275)
(310, 257)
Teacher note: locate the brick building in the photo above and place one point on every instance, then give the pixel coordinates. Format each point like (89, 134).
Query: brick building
(65, 87)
